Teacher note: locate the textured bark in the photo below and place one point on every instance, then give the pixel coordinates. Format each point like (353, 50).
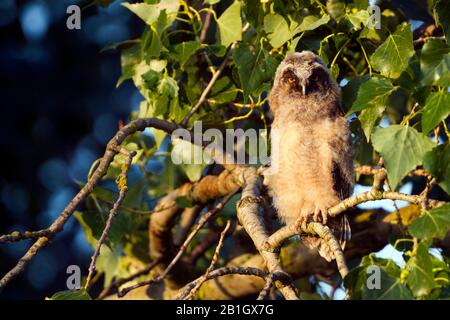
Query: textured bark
(371, 231)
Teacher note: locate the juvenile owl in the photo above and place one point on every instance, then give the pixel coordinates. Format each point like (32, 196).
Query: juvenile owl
(312, 166)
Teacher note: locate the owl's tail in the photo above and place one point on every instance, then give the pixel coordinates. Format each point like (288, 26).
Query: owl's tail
(340, 227)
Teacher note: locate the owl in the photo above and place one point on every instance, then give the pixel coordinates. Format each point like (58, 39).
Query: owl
(312, 157)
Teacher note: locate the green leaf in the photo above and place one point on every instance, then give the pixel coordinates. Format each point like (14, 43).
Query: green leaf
(420, 279)
(374, 92)
(129, 58)
(151, 79)
(183, 51)
(141, 75)
(402, 149)
(369, 117)
(388, 265)
(193, 171)
(350, 91)
(80, 294)
(435, 63)
(217, 50)
(309, 23)
(168, 87)
(336, 9)
(361, 4)
(279, 31)
(255, 67)
(149, 13)
(437, 108)
(334, 71)
(437, 163)
(355, 280)
(277, 28)
(390, 289)
(223, 91)
(159, 136)
(254, 13)
(155, 45)
(442, 16)
(230, 24)
(372, 99)
(392, 57)
(108, 262)
(432, 224)
(358, 19)
(93, 220)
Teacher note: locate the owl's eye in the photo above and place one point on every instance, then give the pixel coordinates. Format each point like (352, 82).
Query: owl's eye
(291, 80)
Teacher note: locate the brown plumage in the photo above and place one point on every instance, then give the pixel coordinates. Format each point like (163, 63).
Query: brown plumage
(312, 166)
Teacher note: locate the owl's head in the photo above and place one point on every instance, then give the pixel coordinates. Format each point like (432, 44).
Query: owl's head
(302, 75)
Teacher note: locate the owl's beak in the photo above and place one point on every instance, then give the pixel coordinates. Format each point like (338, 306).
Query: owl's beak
(303, 85)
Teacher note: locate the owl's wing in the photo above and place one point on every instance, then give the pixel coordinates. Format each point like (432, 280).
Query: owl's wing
(340, 109)
(342, 185)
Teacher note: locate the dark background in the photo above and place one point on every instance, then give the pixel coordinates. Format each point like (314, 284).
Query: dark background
(59, 106)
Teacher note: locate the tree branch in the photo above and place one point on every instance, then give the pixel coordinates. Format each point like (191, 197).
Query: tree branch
(266, 290)
(211, 83)
(213, 262)
(222, 272)
(277, 239)
(325, 233)
(123, 188)
(100, 171)
(250, 215)
(117, 283)
(203, 220)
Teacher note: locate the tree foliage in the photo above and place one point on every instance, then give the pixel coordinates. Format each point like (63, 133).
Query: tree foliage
(388, 80)
(395, 89)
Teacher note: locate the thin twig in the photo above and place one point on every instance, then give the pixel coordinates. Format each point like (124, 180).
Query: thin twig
(208, 88)
(276, 240)
(205, 27)
(211, 83)
(207, 242)
(213, 262)
(123, 188)
(249, 271)
(116, 284)
(425, 194)
(19, 236)
(422, 40)
(202, 221)
(112, 149)
(97, 175)
(267, 287)
(325, 233)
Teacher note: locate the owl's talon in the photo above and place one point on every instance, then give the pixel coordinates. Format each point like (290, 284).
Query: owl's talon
(324, 216)
(320, 215)
(301, 222)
